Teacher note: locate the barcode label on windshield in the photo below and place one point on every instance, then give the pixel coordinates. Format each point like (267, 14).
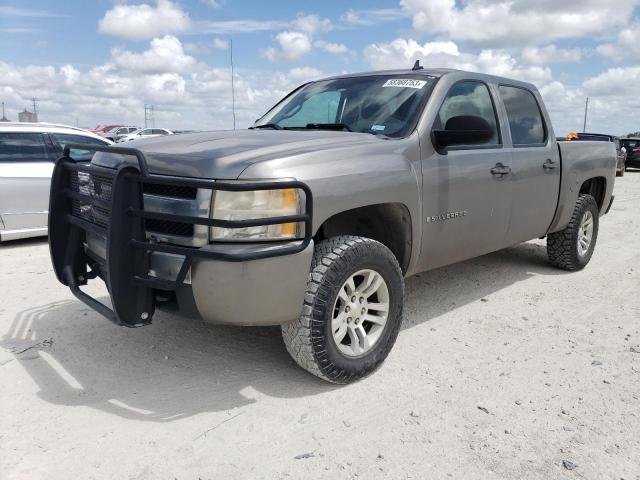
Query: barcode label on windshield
(404, 83)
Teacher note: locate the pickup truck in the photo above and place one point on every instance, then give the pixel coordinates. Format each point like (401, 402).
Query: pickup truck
(312, 218)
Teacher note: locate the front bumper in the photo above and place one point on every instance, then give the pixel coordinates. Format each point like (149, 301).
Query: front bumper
(222, 275)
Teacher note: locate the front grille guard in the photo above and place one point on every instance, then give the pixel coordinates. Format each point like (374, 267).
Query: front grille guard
(125, 269)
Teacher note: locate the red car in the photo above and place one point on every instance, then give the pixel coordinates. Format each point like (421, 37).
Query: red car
(100, 129)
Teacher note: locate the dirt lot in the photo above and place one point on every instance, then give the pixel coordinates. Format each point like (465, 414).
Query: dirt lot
(505, 368)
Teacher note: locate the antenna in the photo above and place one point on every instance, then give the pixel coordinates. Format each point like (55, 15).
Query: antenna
(586, 109)
(417, 66)
(233, 93)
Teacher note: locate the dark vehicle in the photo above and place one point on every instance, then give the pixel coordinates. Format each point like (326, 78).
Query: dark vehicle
(632, 146)
(601, 137)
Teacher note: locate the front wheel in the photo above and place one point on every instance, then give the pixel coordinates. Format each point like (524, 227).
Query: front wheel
(572, 248)
(352, 310)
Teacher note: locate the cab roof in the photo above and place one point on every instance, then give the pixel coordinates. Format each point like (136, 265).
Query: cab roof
(437, 72)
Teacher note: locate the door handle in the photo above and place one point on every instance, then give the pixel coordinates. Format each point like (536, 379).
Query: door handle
(549, 165)
(500, 169)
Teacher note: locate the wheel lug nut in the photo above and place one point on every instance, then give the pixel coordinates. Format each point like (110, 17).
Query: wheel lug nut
(353, 299)
(361, 299)
(347, 308)
(362, 311)
(349, 320)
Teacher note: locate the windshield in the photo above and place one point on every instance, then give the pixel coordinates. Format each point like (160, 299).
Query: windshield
(379, 104)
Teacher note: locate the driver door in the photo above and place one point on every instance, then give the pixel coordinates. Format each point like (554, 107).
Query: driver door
(466, 204)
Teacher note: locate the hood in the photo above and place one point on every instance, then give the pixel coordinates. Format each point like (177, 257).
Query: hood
(226, 154)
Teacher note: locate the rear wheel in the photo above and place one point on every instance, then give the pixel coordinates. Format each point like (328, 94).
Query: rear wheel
(572, 248)
(352, 310)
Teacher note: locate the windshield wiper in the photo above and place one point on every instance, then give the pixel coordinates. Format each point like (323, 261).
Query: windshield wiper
(329, 126)
(274, 126)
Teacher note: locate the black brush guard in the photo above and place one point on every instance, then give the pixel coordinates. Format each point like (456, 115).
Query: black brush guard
(113, 198)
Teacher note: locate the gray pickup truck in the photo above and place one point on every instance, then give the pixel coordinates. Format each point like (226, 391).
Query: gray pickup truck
(312, 218)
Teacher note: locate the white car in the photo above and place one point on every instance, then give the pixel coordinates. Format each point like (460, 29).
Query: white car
(119, 132)
(27, 154)
(145, 133)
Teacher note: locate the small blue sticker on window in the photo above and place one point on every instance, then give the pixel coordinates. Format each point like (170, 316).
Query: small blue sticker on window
(377, 128)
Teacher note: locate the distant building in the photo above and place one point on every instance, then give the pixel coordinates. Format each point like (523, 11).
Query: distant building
(27, 116)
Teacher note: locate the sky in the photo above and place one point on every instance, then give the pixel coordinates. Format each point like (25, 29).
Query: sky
(100, 62)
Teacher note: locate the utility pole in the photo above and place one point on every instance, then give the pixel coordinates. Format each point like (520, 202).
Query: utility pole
(35, 109)
(586, 109)
(233, 93)
(149, 119)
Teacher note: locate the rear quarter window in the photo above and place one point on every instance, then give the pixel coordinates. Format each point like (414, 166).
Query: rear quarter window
(23, 147)
(523, 112)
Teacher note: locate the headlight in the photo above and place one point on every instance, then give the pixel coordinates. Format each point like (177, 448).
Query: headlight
(254, 205)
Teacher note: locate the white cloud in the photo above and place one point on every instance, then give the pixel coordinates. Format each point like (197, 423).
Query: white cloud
(551, 54)
(402, 53)
(197, 97)
(220, 44)
(10, 11)
(213, 3)
(292, 46)
(626, 47)
(367, 18)
(165, 54)
(334, 48)
(502, 23)
(226, 27)
(312, 24)
(304, 74)
(615, 82)
(144, 21)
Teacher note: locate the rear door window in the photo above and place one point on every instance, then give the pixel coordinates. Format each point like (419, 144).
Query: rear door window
(81, 155)
(23, 147)
(525, 118)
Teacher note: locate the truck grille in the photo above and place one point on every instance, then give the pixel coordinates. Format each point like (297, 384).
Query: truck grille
(100, 187)
(96, 186)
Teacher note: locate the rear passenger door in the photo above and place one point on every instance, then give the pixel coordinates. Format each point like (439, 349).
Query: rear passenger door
(535, 164)
(26, 164)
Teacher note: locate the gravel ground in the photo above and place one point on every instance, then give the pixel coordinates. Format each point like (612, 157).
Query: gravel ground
(505, 368)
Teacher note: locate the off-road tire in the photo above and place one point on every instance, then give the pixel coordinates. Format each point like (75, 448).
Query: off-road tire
(309, 339)
(562, 246)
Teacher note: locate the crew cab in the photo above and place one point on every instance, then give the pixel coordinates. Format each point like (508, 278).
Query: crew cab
(312, 218)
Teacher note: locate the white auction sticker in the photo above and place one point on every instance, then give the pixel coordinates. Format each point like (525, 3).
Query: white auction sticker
(404, 83)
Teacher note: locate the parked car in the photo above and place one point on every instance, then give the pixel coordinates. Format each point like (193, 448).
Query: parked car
(117, 132)
(632, 146)
(312, 218)
(100, 129)
(27, 154)
(600, 137)
(145, 133)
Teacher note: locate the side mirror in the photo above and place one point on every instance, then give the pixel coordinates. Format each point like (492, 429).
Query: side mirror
(463, 130)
